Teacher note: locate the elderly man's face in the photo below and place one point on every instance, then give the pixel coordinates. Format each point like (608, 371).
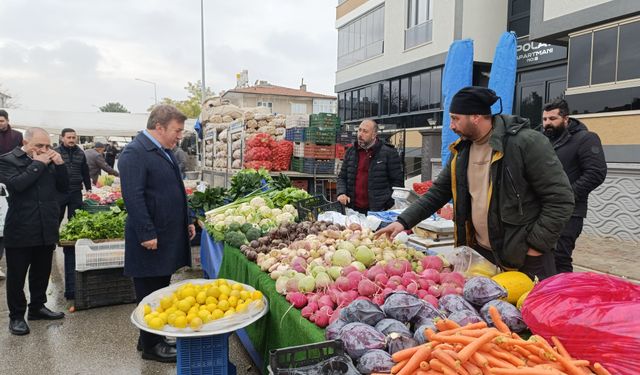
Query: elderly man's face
(366, 134)
(39, 144)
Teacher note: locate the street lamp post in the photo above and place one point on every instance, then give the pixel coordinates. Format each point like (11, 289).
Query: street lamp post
(155, 92)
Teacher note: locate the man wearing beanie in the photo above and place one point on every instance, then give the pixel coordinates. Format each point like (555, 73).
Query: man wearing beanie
(511, 196)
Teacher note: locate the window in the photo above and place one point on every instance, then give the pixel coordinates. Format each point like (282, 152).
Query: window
(629, 52)
(394, 97)
(298, 108)
(414, 96)
(325, 106)
(425, 87)
(363, 102)
(355, 105)
(519, 14)
(419, 23)
(347, 106)
(435, 94)
(384, 98)
(607, 55)
(404, 95)
(375, 100)
(266, 104)
(361, 39)
(341, 105)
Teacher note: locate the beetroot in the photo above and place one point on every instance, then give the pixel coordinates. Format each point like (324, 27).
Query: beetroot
(362, 311)
(433, 262)
(375, 360)
(396, 267)
(359, 338)
(401, 306)
(480, 290)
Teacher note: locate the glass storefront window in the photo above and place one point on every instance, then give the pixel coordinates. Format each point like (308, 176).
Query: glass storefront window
(579, 60)
(361, 39)
(404, 95)
(435, 95)
(425, 88)
(394, 96)
(629, 52)
(603, 66)
(385, 98)
(414, 97)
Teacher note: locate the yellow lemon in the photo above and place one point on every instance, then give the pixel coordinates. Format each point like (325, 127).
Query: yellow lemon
(195, 324)
(223, 297)
(214, 291)
(188, 292)
(234, 293)
(184, 305)
(180, 322)
(233, 301)
(241, 307)
(210, 300)
(171, 310)
(163, 317)
(223, 305)
(245, 295)
(165, 302)
(204, 315)
(156, 323)
(256, 295)
(201, 297)
(211, 307)
(191, 299)
(229, 313)
(191, 316)
(217, 314)
(224, 289)
(222, 282)
(172, 318)
(146, 309)
(237, 287)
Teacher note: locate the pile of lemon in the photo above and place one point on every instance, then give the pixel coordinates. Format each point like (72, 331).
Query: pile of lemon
(194, 305)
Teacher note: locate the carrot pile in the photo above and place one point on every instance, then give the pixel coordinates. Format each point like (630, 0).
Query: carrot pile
(477, 349)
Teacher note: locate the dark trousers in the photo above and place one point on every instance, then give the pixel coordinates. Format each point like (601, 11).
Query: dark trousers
(566, 244)
(542, 266)
(145, 286)
(37, 261)
(71, 201)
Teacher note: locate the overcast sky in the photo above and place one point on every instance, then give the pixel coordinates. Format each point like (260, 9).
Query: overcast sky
(77, 55)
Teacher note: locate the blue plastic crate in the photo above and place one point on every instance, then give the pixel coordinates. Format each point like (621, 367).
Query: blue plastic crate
(295, 134)
(204, 356)
(314, 166)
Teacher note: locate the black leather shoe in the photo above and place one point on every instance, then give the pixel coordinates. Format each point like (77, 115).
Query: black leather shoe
(164, 340)
(18, 327)
(44, 313)
(160, 352)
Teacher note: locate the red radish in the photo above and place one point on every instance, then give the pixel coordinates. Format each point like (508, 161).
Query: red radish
(422, 293)
(452, 277)
(313, 298)
(374, 271)
(401, 287)
(431, 299)
(397, 267)
(435, 291)
(430, 274)
(354, 279)
(348, 269)
(325, 301)
(408, 278)
(432, 262)
(424, 284)
(378, 300)
(448, 289)
(353, 294)
(394, 281)
(333, 293)
(381, 279)
(367, 287)
(323, 316)
(412, 288)
(297, 299)
(343, 284)
(387, 291)
(307, 311)
(335, 316)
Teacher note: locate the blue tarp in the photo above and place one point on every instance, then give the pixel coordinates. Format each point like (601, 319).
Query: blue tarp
(503, 73)
(458, 73)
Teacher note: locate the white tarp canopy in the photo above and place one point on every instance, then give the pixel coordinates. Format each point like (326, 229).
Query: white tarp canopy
(104, 124)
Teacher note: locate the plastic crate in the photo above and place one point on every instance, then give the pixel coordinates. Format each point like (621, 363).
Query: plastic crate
(319, 151)
(104, 287)
(298, 149)
(94, 208)
(310, 208)
(300, 184)
(292, 360)
(297, 164)
(345, 137)
(321, 136)
(204, 356)
(341, 150)
(92, 256)
(295, 134)
(314, 166)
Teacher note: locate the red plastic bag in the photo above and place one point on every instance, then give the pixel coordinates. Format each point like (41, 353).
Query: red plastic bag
(595, 316)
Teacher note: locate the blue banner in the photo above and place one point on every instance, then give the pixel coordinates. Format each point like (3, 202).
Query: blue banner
(503, 73)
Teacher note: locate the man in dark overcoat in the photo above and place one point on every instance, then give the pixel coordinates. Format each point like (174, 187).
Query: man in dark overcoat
(34, 175)
(158, 228)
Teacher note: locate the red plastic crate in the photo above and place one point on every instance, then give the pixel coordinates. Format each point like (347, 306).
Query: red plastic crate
(300, 184)
(314, 151)
(341, 150)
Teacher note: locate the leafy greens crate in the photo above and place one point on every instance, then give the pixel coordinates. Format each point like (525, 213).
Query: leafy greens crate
(103, 287)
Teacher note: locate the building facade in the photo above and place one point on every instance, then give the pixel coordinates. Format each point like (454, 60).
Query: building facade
(391, 55)
(281, 100)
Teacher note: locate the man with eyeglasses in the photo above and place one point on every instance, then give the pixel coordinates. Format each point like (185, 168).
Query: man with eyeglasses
(34, 175)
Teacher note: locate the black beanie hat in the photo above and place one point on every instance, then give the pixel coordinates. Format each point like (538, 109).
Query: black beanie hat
(473, 100)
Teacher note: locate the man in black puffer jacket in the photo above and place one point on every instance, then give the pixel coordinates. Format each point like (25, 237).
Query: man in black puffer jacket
(78, 172)
(370, 170)
(581, 155)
